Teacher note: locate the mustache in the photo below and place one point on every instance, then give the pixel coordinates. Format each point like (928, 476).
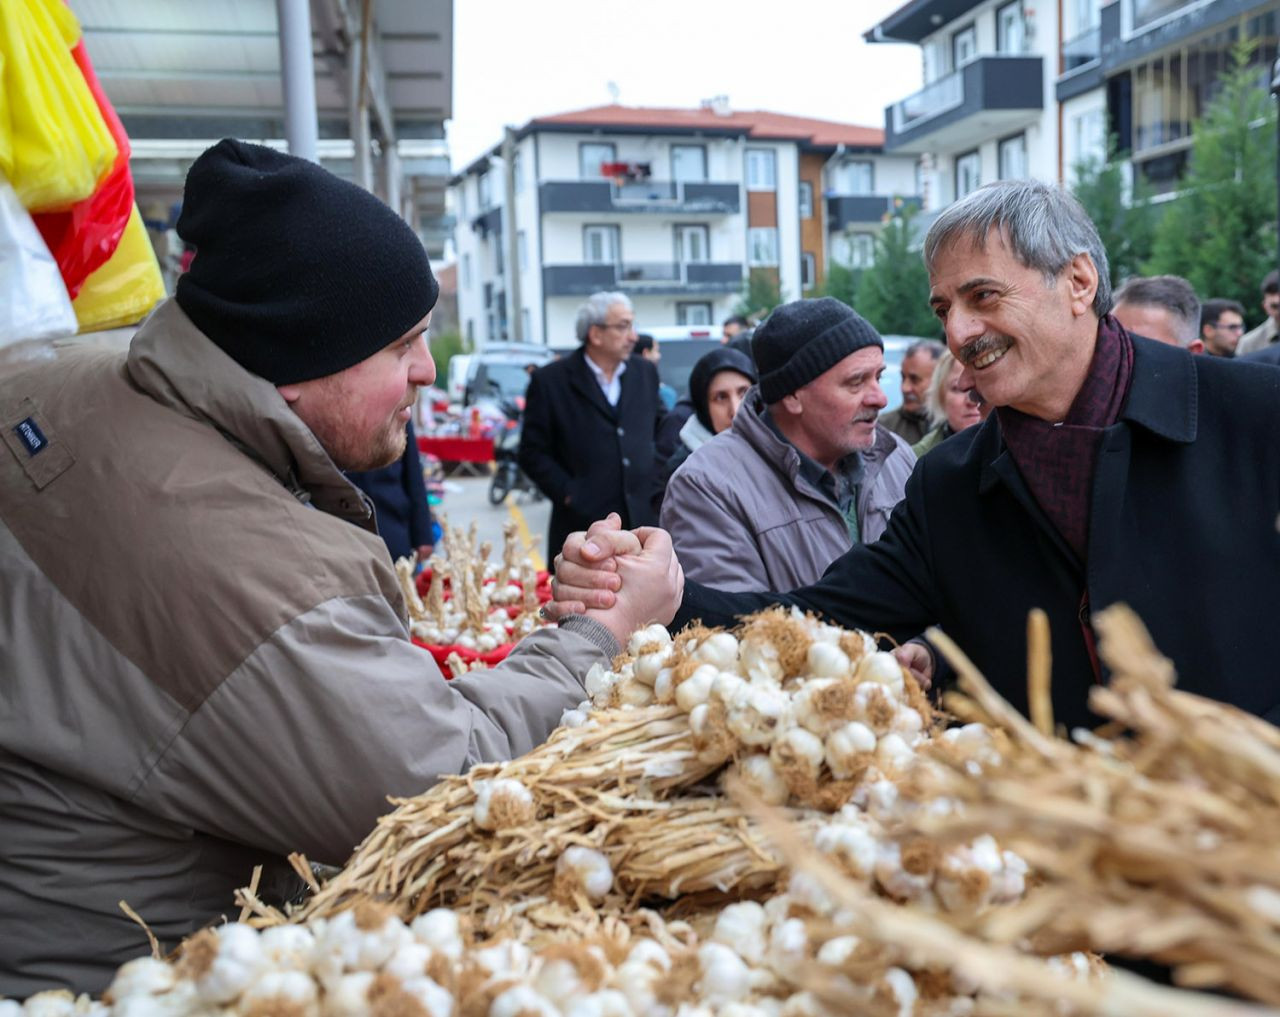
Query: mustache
(866, 417)
(980, 347)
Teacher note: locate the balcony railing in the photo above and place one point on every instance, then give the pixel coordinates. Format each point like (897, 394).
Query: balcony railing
(639, 196)
(944, 94)
(1082, 49)
(669, 276)
(649, 271)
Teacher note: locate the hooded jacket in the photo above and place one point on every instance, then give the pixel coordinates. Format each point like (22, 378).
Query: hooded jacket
(205, 656)
(742, 517)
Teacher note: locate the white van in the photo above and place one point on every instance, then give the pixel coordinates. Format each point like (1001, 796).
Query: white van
(456, 383)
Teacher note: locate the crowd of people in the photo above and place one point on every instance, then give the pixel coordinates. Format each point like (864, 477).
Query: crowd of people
(207, 657)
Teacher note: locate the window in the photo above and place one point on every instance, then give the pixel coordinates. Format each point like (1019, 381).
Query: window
(933, 53)
(762, 174)
(1088, 135)
(858, 250)
(1010, 29)
(466, 271)
(522, 251)
(964, 46)
(482, 184)
(517, 173)
(856, 176)
(968, 173)
(590, 156)
(808, 270)
(688, 162)
(806, 200)
(762, 245)
(600, 245)
(693, 314)
(693, 244)
(1013, 158)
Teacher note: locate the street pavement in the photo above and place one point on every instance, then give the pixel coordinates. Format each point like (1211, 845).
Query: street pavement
(467, 499)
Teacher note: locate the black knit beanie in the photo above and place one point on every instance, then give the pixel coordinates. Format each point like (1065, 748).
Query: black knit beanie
(804, 339)
(298, 274)
(704, 372)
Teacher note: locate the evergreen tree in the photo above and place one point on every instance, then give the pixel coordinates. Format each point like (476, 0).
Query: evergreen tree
(841, 282)
(893, 294)
(762, 294)
(1220, 232)
(1125, 221)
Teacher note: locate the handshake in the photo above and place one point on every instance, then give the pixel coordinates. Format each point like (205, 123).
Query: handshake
(624, 579)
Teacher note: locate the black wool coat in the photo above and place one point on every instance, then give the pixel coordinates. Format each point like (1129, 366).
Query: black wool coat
(587, 457)
(1184, 509)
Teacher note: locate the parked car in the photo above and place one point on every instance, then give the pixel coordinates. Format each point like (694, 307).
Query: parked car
(499, 371)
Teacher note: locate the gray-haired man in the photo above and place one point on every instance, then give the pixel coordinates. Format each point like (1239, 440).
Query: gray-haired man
(1161, 307)
(910, 421)
(589, 424)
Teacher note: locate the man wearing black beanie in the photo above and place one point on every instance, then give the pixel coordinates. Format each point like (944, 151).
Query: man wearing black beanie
(205, 647)
(813, 473)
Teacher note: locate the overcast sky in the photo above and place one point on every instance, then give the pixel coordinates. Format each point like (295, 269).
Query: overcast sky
(515, 59)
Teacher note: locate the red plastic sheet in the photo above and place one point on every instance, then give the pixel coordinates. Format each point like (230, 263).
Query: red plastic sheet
(84, 237)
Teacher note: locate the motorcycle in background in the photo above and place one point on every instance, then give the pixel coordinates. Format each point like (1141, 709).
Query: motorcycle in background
(507, 475)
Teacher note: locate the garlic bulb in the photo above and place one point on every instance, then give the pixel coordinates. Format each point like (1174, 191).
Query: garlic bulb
(742, 927)
(293, 992)
(51, 1003)
(855, 846)
(287, 947)
(720, 650)
(522, 1001)
(226, 962)
(143, 976)
(598, 682)
(836, 952)
(695, 689)
(409, 961)
(799, 752)
(756, 713)
(604, 1003)
(725, 976)
(762, 779)
(348, 995)
(439, 929)
(585, 869)
(649, 636)
(434, 999)
(827, 660)
(502, 804)
(848, 749)
(573, 718)
(882, 668)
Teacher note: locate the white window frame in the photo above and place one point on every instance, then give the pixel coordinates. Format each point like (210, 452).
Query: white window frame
(962, 161)
(688, 311)
(762, 246)
(808, 271)
(676, 175)
(805, 199)
(971, 31)
(604, 228)
(1002, 40)
(683, 230)
(1004, 145)
(860, 250)
(761, 169)
(584, 147)
(845, 174)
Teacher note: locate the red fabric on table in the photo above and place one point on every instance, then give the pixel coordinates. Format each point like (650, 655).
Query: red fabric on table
(456, 449)
(442, 653)
(423, 583)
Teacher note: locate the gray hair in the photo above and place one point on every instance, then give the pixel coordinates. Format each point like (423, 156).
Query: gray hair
(929, 346)
(1171, 292)
(596, 311)
(934, 403)
(1044, 226)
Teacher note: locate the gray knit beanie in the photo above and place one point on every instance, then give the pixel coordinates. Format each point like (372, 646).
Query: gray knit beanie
(804, 339)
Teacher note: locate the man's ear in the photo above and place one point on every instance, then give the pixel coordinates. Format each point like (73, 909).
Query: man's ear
(290, 393)
(1082, 278)
(791, 403)
(1195, 346)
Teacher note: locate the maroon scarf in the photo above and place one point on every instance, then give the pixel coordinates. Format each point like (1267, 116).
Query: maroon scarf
(1057, 460)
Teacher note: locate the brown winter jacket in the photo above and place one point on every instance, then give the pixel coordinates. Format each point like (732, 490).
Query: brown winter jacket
(741, 516)
(204, 658)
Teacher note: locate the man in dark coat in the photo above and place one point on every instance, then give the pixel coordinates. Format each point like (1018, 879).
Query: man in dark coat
(1114, 469)
(589, 424)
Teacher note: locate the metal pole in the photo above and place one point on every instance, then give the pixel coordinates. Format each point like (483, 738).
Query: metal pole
(514, 314)
(358, 106)
(299, 79)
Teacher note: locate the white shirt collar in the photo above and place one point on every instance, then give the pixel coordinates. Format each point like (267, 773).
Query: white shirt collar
(612, 388)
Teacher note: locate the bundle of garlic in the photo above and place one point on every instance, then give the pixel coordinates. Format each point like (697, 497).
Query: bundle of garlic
(802, 713)
(1156, 842)
(472, 603)
(750, 960)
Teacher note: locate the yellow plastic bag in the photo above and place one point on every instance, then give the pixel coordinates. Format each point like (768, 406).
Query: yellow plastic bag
(55, 147)
(124, 289)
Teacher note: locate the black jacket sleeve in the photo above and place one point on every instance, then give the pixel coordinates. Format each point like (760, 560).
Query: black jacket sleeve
(538, 442)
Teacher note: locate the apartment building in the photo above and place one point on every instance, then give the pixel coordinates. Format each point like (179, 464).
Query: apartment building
(1020, 89)
(675, 207)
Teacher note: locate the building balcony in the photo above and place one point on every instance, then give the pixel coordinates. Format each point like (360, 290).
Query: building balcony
(917, 19)
(1081, 64)
(661, 196)
(1134, 30)
(860, 209)
(986, 98)
(643, 277)
(489, 221)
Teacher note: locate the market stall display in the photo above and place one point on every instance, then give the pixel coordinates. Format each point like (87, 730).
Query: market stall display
(775, 823)
(467, 610)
